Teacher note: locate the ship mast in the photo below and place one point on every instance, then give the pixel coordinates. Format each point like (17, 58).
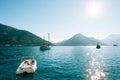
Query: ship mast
(48, 39)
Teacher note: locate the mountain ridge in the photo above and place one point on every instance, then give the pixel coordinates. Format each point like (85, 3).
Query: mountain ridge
(79, 40)
(10, 36)
(15, 37)
(112, 39)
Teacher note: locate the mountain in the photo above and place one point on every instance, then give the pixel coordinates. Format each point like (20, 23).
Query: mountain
(112, 39)
(14, 37)
(79, 40)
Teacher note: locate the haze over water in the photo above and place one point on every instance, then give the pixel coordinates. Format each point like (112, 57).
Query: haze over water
(63, 63)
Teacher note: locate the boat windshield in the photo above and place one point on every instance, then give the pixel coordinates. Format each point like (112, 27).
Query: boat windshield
(27, 58)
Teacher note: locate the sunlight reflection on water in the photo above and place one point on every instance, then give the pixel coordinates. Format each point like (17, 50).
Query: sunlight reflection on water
(95, 70)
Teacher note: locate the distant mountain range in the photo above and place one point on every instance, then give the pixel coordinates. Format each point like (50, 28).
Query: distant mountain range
(79, 40)
(10, 36)
(112, 39)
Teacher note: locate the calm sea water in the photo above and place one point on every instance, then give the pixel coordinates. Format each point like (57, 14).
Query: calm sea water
(63, 63)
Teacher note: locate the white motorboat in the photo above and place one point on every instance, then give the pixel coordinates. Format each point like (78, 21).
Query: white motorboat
(27, 66)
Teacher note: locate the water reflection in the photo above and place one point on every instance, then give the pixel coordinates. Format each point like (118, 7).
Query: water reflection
(26, 77)
(95, 69)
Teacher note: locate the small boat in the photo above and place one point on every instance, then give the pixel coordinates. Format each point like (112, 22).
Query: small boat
(115, 45)
(28, 65)
(98, 46)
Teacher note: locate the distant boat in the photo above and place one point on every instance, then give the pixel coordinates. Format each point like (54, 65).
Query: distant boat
(115, 45)
(98, 46)
(44, 46)
(28, 65)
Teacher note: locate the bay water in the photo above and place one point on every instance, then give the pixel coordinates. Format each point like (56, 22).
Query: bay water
(63, 63)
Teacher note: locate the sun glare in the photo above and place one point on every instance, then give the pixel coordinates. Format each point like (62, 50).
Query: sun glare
(94, 9)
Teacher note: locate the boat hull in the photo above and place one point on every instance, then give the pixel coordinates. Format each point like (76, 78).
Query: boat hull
(98, 47)
(42, 48)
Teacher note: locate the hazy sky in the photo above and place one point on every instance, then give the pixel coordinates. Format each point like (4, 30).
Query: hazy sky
(63, 18)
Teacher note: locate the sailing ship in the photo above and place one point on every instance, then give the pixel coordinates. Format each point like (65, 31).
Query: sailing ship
(98, 46)
(44, 46)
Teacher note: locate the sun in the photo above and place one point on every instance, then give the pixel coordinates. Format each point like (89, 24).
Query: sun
(94, 9)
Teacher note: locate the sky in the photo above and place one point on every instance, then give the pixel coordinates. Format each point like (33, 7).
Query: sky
(62, 18)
